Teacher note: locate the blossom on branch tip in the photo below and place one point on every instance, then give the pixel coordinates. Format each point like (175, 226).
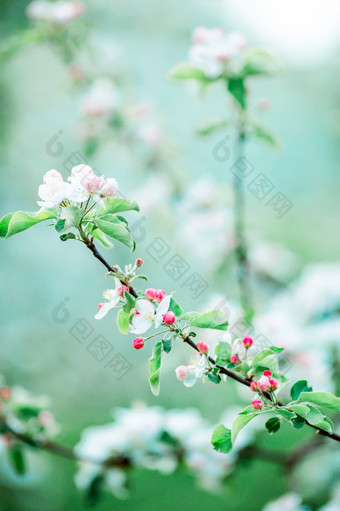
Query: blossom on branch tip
(264, 384)
(267, 373)
(139, 262)
(233, 359)
(189, 374)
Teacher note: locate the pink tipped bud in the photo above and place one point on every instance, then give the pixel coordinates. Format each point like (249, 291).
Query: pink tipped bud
(202, 347)
(138, 343)
(139, 262)
(159, 295)
(264, 384)
(150, 294)
(181, 372)
(100, 305)
(267, 373)
(233, 359)
(253, 386)
(121, 290)
(273, 384)
(169, 318)
(247, 342)
(136, 312)
(257, 404)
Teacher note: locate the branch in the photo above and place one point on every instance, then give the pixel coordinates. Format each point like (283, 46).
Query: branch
(192, 344)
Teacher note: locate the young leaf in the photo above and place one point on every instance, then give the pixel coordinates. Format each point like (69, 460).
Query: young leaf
(272, 350)
(237, 89)
(130, 300)
(214, 377)
(185, 71)
(68, 236)
(221, 439)
(16, 458)
(59, 226)
(100, 236)
(323, 399)
(214, 319)
(314, 416)
(223, 353)
(175, 308)
(72, 216)
(211, 126)
(155, 364)
(286, 414)
(239, 423)
(273, 425)
(166, 345)
(298, 422)
(300, 409)
(117, 205)
(13, 223)
(113, 227)
(263, 133)
(298, 387)
(326, 425)
(123, 321)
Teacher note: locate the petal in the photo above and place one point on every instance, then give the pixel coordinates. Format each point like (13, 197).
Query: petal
(140, 324)
(144, 306)
(163, 307)
(105, 309)
(191, 379)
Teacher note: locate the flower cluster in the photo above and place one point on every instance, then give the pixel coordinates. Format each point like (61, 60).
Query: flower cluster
(58, 13)
(82, 185)
(213, 49)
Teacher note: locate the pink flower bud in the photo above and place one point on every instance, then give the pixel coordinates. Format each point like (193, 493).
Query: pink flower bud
(136, 312)
(257, 404)
(121, 290)
(247, 342)
(169, 318)
(159, 295)
(139, 262)
(109, 188)
(150, 293)
(138, 343)
(233, 359)
(52, 174)
(181, 372)
(253, 386)
(5, 393)
(267, 373)
(264, 384)
(100, 305)
(202, 347)
(273, 384)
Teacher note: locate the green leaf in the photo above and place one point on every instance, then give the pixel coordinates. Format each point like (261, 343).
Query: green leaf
(214, 319)
(155, 364)
(298, 422)
(273, 425)
(300, 409)
(16, 459)
(13, 223)
(265, 134)
(100, 236)
(72, 216)
(113, 227)
(185, 71)
(167, 345)
(326, 425)
(214, 377)
(68, 236)
(272, 350)
(175, 308)
(239, 423)
(221, 439)
(117, 205)
(298, 387)
(286, 414)
(237, 89)
(130, 300)
(123, 321)
(314, 416)
(323, 399)
(59, 226)
(211, 126)
(223, 353)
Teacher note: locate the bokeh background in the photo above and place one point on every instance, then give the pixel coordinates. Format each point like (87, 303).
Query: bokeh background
(139, 44)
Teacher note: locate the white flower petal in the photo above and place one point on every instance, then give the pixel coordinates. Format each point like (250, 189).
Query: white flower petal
(191, 379)
(145, 307)
(140, 324)
(105, 309)
(162, 309)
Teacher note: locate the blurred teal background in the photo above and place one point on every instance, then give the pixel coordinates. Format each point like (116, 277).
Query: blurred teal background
(38, 272)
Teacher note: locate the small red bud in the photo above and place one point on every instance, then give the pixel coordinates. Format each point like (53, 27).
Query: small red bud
(257, 404)
(247, 342)
(273, 384)
(233, 359)
(139, 262)
(169, 318)
(150, 293)
(100, 305)
(138, 343)
(121, 290)
(267, 373)
(202, 347)
(253, 386)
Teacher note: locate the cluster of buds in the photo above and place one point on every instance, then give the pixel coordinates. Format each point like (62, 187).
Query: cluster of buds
(265, 384)
(155, 295)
